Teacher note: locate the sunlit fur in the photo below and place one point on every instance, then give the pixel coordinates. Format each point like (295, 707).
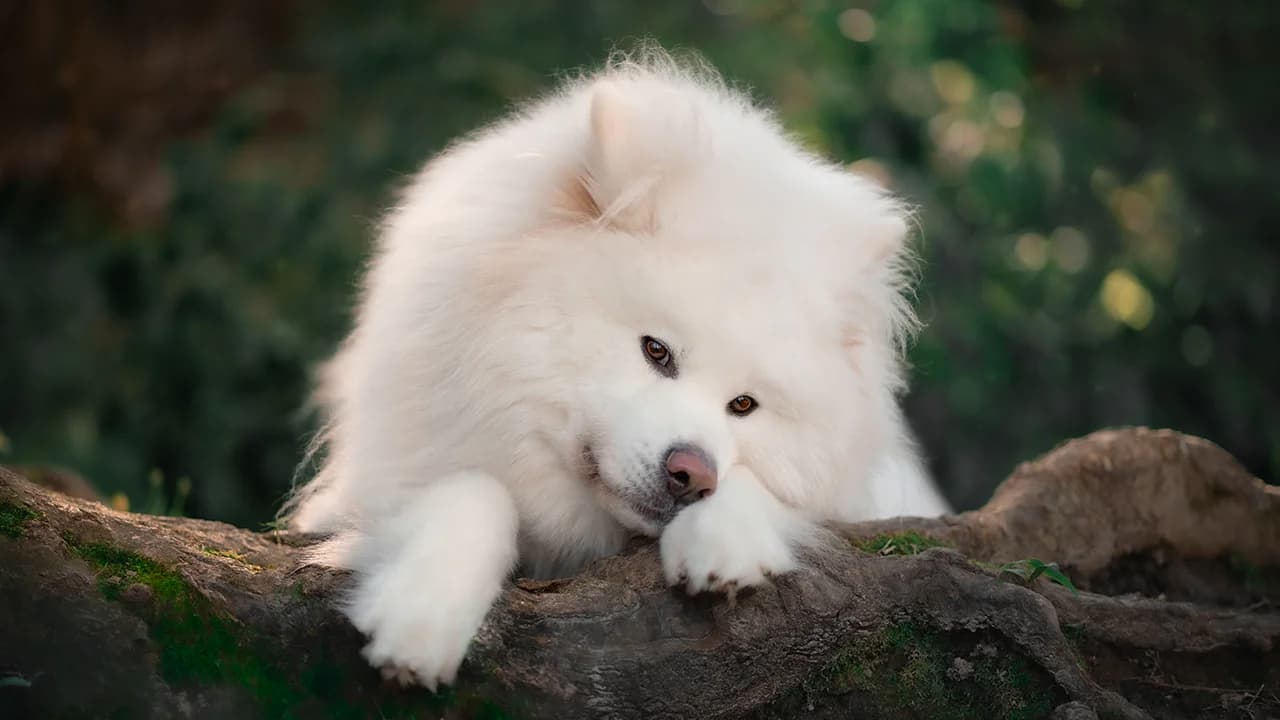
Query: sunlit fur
(494, 404)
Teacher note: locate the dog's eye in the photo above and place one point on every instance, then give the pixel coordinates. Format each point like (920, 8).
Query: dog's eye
(743, 405)
(658, 354)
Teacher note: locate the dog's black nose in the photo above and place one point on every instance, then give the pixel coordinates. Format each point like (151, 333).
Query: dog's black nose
(691, 474)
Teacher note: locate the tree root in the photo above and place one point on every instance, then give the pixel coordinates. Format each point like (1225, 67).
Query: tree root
(1174, 547)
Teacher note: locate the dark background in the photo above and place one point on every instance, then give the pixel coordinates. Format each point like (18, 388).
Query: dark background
(187, 192)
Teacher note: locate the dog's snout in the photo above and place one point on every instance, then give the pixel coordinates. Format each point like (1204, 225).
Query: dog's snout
(691, 474)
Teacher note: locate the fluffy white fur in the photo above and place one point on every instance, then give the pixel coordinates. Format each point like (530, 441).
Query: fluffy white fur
(494, 404)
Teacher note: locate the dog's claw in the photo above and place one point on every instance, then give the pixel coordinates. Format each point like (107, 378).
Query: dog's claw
(406, 677)
(399, 674)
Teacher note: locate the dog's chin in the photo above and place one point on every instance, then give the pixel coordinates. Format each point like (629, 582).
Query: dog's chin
(636, 518)
(631, 512)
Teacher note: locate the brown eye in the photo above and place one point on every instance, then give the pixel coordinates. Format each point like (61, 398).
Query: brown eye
(743, 405)
(656, 351)
(659, 355)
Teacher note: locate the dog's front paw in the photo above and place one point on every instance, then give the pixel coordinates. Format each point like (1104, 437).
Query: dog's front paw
(413, 642)
(706, 549)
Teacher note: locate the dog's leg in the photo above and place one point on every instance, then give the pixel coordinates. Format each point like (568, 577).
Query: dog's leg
(735, 538)
(428, 576)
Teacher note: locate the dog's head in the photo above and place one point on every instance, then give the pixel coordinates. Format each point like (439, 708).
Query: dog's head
(730, 302)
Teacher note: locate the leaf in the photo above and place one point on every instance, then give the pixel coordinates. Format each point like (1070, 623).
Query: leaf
(1052, 572)
(1031, 568)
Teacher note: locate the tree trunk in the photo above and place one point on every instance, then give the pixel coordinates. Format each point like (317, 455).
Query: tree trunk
(1174, 547)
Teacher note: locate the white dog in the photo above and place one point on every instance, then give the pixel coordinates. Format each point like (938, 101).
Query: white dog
(634, 307)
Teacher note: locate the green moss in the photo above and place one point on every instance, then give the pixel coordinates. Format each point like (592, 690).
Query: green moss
(13, 517)
(195, 644)
(232, 555)
(903, 543)
(198, 646)
(910, 668)
(118, 568)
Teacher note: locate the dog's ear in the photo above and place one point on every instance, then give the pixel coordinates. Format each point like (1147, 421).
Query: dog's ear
(883, 235)
(883, 275)
(638, 136)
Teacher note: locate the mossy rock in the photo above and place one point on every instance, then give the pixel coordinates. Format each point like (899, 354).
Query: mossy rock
(909, 670)
(199, 646)
(14, 517)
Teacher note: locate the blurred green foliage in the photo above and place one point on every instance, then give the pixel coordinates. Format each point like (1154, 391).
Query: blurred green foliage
(1097, 188)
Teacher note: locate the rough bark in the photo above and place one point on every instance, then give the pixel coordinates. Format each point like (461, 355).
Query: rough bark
(1175, 549)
